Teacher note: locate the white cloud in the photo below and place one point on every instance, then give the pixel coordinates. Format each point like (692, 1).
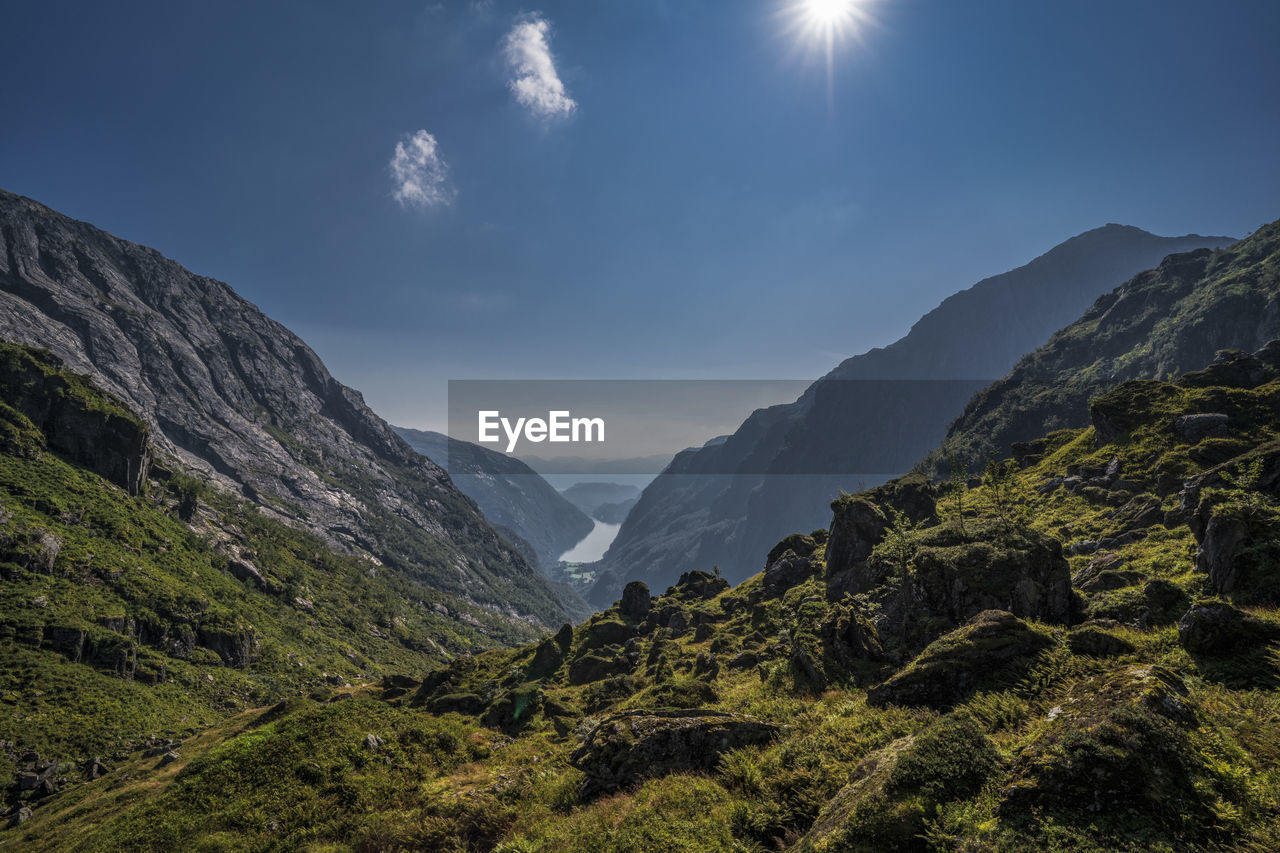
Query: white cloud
(421, 175)
(535, 82)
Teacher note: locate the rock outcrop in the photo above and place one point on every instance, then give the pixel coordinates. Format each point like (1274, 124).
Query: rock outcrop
(628, 747)
(992, 644)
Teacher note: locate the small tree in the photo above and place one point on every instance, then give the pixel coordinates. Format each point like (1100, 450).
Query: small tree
(955, 493)
(1004, 492)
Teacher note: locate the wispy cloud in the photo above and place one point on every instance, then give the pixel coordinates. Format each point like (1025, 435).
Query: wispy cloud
(421, 175)
(535, 82)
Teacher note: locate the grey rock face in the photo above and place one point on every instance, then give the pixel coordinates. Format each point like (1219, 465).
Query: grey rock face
(234, 394)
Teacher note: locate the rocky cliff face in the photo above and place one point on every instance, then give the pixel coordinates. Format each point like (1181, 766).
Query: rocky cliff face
(872, 417)
(237, 396)
(1159, 323)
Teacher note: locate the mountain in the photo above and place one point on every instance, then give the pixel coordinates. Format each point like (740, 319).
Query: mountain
(1159, 323)
(509, 493)
(1076, 654)
(242, 401)
(873, 416)
(591, 497)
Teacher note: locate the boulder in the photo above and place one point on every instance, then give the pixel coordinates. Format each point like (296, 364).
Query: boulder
(801, 544)
(956, 576)
(547, 658)
(1225, 537)
(1217, 628)
(744, 660)
(1195, 428)
(628, 747)
(636, 601)
(993, 643)
(608, 632)
(787, 570)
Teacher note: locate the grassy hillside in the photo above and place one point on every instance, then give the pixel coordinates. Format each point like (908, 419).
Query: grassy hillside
(1161, 323)
(128, 619)
(1076, 654)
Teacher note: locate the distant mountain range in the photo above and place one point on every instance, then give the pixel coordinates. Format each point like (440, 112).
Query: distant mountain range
(510, 493)
(608, 502)
(874, 415)
(241, 400)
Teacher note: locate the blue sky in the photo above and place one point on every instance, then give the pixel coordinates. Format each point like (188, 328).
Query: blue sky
(693, 201)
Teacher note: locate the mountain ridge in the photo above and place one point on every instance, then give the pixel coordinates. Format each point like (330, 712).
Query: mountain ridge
(237, 396)
(973, 337)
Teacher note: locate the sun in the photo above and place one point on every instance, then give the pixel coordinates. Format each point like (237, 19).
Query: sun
(828, 14)
(825, 22)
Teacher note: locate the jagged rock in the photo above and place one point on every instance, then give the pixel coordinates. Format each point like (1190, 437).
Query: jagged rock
(1194, 428)
(372, 742)
(949, 668)
(546, 658)
(244, 570)
(1094, 642)
(395, 686)
(21, 816)
(608, 632)
(628, 747)
(35, 778)
(1100, 563)
(705, 665)
(1217, 628)
(1084, 546)
(1108, 580)
(1140, 512)
(703, 632)
(168, 758)
(858, 524)
(96, 769)
(1230, 368)
(237, 648)
(1221, 544)
(636, 601)
(698, 585)
(801, 544)
(110, 441)
(806, 667)
(677, 623)
(788, 570)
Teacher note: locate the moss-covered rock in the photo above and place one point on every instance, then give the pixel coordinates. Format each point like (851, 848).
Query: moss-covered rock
(1117, 744)
(630, 746)
(993, 644)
